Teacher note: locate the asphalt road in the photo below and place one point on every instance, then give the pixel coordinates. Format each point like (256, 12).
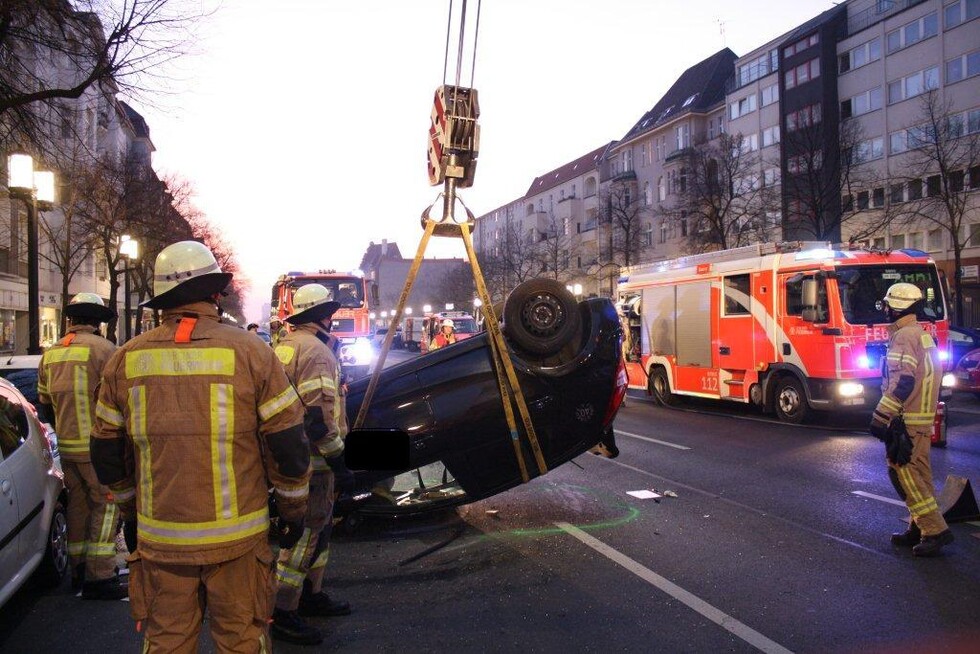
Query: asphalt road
(777, 540)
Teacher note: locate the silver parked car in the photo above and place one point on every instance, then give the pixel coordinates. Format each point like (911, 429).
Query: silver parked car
(33, 525)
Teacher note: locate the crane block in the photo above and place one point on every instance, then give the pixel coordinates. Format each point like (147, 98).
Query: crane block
(454, 135)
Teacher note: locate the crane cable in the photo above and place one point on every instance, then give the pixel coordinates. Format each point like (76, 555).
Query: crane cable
(460, 40)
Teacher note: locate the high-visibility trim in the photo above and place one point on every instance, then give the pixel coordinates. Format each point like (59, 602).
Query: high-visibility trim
(928, 505)
(927, 341)
(137, 429)
(222, 450)
(902, 358)
(331, 446)
(73, 445)
(77, 548)
(107, 531)
(203, 533)
(124, 495)
(285, 353)
(321, 382)
(185, 329)
(106, 413)
(926, 402)
(101, 549)
(890, 403)
(289, 576)
(294, 491)
(318, 463)
(278, 404)
(83, 410)
(79, 353)
(321, 560)
(919, 418)
(180, 362)
(908, 483)
(298, 553)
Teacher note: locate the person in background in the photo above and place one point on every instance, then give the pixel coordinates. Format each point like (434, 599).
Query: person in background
(446, 335)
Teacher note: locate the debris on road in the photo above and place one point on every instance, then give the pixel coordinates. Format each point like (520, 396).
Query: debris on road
(645, 494)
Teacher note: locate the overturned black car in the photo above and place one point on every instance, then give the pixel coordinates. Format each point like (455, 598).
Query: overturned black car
(568, 360)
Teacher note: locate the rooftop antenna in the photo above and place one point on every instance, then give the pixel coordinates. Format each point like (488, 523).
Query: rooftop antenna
(721, 30)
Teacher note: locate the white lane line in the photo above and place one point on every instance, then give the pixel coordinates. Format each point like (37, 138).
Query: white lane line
(880, 498)
(725, 621)
(651, 440)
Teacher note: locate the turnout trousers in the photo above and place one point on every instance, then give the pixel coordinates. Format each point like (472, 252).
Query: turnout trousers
(168, 603)
(92, 521)
(913, 483)
(308, 559)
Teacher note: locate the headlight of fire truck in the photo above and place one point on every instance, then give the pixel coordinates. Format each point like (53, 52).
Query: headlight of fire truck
(949, 380)
(356, 353)
(850, 389)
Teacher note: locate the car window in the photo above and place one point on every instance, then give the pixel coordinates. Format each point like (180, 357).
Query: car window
(13, 424)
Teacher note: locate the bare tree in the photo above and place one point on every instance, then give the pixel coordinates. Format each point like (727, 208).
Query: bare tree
(510, 261)
(457, 286)
(110, 43)
(943, 164)
(557, 249)
(626, 220)
(214, 237)
(723, 195)
(819, 179)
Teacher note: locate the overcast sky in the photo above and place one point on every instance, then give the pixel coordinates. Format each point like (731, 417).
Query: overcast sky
(302, 123)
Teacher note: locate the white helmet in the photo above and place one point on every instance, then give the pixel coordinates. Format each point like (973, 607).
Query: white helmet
(312, 303)
(185, 272)
(89, 305)
(902, 295)
(448, 323)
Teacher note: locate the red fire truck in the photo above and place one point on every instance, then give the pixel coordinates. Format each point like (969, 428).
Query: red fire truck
(419, 332)
(792, 327)
(351, 323)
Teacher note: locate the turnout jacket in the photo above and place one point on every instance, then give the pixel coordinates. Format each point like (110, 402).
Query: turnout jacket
(197, 420)
(67, 379)
(441, 340)
(311, 366)
(911, 376)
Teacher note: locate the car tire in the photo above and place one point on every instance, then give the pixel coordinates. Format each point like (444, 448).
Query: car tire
(659, 386)
(541, 317)
(789, 400)
(54, 565)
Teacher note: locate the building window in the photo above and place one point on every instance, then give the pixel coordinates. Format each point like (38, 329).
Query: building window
(963, 67)
(936, 236)
(661, 189)
(960, 12)
(647, 194)
(896, 193)
(804, 163)
(770, 94)
(913, 85)
(742, 107)
(771, 176)
(808, 115)
(861, 55)
(770, 136)
(802, 73)
(750, 143)
(689, 100)
(862, 103)
(627, 160)
(801, 45)
(663, 231)
(682, 135)
(897, 241)
(912, 32)
(878, 197)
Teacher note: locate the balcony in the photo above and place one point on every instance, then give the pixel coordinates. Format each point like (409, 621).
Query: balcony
(880, 11)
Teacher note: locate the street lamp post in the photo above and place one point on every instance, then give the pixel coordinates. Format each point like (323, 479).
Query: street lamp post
(36, 189)
(129, 249)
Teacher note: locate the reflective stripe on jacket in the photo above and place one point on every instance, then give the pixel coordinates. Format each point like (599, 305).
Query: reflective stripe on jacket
(207, 415)
(913, 353)
(314, 371)
(67, 379)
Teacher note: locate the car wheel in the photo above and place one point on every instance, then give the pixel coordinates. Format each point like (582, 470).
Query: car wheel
(541, 316)
(660, 387)
(55, 563)
(790, 400)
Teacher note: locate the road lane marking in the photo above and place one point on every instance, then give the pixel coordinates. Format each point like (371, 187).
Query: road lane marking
(722, 619)
(745, 507)
(880, 498)
(651, 440)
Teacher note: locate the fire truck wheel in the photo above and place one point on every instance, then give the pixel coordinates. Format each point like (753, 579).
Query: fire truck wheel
(541, 316)
(660, 387)
(790, 400)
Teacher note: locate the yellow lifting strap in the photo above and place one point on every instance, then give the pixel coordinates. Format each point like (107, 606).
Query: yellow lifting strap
(507, 380)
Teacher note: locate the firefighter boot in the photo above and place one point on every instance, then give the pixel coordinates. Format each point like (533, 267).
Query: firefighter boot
(931, 545)
(289, 627)
(104, 589)
(320, 604)
(908, 538)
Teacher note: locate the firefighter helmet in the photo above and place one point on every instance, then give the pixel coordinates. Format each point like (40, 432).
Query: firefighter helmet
(312, 303)
(185, 272)
(902, 295)
(89, 305)
(448, 323)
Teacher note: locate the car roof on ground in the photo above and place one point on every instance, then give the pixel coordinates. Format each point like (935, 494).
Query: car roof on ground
(19, 361)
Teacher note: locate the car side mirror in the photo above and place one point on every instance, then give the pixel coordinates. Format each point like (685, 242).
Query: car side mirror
(377, 449)
(809, 292)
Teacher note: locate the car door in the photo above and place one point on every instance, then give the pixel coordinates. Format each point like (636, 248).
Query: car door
(10, 557)
(25, 471)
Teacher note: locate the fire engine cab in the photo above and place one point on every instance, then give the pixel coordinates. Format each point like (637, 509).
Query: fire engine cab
(792, 327)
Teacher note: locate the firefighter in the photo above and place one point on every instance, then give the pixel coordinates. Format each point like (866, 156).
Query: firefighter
(195, 422)
(307, 354)
(903, 419)
(446, 335)
(66, 382)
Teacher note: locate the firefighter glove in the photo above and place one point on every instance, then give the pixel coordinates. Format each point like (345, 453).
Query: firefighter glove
(129, 533)
(288, 532)
(899, 447)
(880, 427)
(343, 478)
